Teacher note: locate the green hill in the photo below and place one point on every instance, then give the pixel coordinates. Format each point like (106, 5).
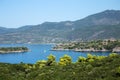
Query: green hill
(90, 68)
(102, 25)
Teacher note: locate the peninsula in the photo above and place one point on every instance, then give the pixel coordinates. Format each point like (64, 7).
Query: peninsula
(4, 50)
(110, 45)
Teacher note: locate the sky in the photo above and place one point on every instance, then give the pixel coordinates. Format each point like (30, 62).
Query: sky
(17, 13)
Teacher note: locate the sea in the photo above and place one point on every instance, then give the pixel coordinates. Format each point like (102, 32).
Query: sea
(41, 52)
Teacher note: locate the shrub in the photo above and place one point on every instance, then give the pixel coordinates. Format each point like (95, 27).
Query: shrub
(65, 60)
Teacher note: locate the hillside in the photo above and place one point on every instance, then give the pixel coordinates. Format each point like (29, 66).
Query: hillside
(90, 46)
(103, 25)
(90, 68)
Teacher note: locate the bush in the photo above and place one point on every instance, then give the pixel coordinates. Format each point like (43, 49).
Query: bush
(65, 60)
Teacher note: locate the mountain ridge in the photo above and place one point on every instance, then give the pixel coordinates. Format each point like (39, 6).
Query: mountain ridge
(102, 25)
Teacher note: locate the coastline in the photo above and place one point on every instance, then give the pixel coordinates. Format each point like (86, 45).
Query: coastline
(90, 46)
(85, 50)
(20, 51)
(61, 50)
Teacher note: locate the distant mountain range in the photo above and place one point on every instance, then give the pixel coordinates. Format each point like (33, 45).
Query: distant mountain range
(103, 25)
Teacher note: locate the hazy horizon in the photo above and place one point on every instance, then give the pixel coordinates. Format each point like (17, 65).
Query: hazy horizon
(15, 13)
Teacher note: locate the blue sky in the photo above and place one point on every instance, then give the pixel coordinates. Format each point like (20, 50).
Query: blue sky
(17, 13)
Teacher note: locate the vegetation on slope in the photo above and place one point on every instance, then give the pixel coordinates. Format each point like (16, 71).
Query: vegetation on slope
(97, 45)
(90, 68)
(103, 25)
(13, 49)
(95, 32)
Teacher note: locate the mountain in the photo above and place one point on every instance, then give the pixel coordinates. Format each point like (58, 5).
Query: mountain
(102, 25)
(107, 17)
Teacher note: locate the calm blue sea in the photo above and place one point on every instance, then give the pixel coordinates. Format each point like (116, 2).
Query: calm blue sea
(39, 52)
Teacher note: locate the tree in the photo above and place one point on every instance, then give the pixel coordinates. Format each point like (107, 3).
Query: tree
(89, 56)
(113, 54)
(51, 60)
(40, 64)
(81, 59)
(65, 60)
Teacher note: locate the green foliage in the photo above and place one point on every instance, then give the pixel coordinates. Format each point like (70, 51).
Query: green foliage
(90, 60)
(118, 71)
(100, 57)
(112, 45)
(89, 67)
(81, 59)
(103, 25)
(65, 60)
(40, 64)
(51, 60)
(102, 68)
(13, 49)
(89, 56)
(95, 46)
(113, 54)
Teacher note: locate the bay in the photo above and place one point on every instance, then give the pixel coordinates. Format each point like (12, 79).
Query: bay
(40, 52)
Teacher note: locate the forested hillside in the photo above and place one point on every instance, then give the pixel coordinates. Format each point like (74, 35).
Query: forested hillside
(90, 68)
(102, 25)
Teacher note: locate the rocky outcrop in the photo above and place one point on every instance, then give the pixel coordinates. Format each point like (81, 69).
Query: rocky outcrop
(116, 49)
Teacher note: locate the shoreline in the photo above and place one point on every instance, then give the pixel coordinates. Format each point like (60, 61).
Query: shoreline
(3, 52)
(90, 46)
(84, 50)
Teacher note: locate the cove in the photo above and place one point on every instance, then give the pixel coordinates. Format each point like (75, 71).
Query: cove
(40, 52)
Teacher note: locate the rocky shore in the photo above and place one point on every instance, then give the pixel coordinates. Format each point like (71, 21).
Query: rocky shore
(116, 49)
